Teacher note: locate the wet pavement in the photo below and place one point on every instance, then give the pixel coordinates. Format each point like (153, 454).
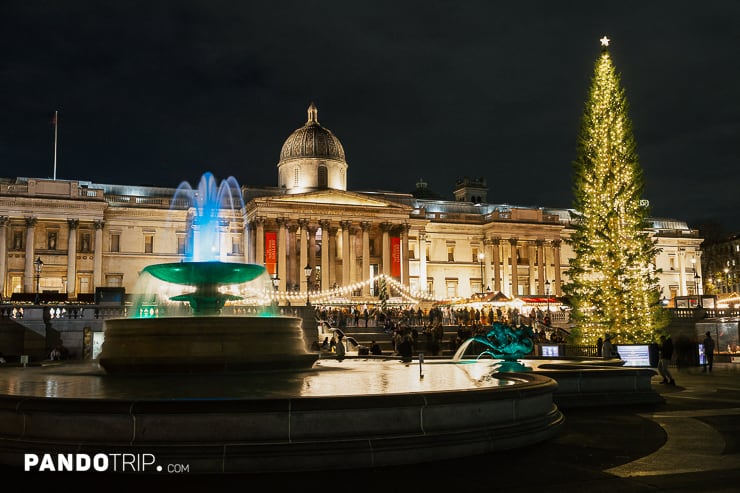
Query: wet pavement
(689, 443)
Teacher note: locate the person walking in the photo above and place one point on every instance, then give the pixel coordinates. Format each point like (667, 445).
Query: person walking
(708, 353)
(666, 354)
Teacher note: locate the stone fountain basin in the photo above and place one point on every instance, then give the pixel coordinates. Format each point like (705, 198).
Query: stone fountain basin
(336, 415)
(204, 345)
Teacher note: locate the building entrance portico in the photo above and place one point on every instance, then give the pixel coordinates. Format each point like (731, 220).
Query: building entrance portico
(339, 234)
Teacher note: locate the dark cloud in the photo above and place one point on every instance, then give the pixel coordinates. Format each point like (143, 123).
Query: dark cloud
(155, 92)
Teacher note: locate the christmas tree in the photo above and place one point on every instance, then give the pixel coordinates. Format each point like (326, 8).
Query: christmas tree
(613, 285)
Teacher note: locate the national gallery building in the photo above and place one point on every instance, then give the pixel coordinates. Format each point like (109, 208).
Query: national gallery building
(314, 236)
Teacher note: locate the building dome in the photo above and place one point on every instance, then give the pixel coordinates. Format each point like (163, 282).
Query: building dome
(312, 141)
(312, 158)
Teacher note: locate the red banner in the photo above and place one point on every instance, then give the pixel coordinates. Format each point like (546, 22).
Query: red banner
(271, 252)
(395, 256)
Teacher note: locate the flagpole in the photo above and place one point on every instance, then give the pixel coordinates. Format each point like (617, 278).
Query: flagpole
(56, 126)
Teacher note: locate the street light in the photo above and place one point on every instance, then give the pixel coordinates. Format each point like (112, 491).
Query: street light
(727, 280)
(307, 272)
(275, 282)
(696, 283)
(39, 265)
(547, 295)
(481, 256)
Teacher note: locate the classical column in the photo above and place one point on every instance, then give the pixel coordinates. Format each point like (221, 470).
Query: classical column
(332, 246)
(506, 268)
(28, 286)
(303, 223)
(541, 274)
(532, 254)
(486, 265)
(295, 270)
(405, 253)
(345, 252)
(4, 220)
(386, 228)
(247, 244)
(422, 261)
(683, 291)
(325, 240)
(495, 246)
(72, 257)
(259, 241)
(312, 250)
(98, 259)
(556, 263)
(514, 268)
(282, 254)
(365, 225)
(353, 254)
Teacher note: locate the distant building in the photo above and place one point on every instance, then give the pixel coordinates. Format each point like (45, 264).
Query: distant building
(91, 235)
(721, 264)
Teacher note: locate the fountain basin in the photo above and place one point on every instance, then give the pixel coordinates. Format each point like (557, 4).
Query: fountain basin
(337, 415)
(205, 344)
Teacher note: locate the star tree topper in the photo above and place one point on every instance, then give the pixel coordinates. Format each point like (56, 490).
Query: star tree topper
(604, 41)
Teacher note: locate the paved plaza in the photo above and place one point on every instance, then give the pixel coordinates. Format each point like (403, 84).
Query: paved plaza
(689, 443)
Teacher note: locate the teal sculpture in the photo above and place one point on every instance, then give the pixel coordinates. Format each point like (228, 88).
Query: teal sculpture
(509, 344)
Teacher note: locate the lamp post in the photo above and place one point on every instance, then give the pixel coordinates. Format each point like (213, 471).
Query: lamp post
(481, 256)
(307, 272)
(547, 295)
(696, 283)
(727, 280)
(39, 264)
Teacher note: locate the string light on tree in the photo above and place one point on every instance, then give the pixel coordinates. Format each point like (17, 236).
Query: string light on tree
(613, 285)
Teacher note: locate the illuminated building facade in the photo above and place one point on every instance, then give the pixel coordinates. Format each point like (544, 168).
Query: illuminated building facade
(90, 235)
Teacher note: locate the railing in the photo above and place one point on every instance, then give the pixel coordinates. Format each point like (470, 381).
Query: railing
(699, 313)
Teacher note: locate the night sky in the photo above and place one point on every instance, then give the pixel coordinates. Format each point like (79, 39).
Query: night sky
(154, 93)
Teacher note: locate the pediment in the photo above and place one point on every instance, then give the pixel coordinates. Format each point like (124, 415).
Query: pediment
(335, 198)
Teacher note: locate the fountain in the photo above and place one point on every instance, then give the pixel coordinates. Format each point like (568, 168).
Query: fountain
(504, 342)
(199, 337)
(189, 381)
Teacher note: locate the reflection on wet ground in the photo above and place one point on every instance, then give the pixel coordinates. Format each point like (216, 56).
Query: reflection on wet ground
(86, 380)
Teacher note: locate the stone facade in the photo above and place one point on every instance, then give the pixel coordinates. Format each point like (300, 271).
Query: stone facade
(94, 235)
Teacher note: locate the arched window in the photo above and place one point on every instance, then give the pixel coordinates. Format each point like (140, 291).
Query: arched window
(323, 181)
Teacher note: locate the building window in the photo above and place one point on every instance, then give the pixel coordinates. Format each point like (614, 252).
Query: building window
(450, 253)
(148, 243)
(426, 254)
(181, 244)
(475, 254)
(323, 179)
(451, 288)
(414, 284)
(115, 242)
(114, 280)
(412, 251)
(296, 176)
(672, 263)
(84, 284)
(236, 245)
(430, 286)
